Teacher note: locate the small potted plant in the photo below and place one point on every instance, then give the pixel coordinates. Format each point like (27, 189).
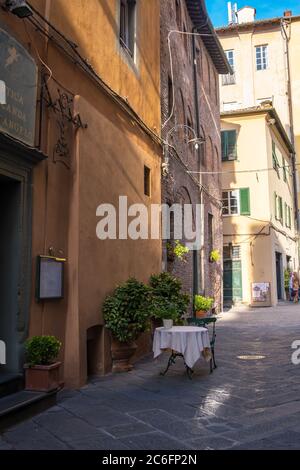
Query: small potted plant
(214, 256)
(42, 368)
(168, 313)
(202, 305)
(126, 315)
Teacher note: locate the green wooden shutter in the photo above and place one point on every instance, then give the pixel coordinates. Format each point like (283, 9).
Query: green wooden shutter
(224, 145)
(286, 214)
(280, 210)
(284, 170)
(276, 205)
(245, 201)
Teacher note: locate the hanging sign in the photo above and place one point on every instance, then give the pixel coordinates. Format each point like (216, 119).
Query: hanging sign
(18, 74)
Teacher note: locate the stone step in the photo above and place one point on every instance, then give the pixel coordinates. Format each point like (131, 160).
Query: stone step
(10, 383)
(23, 405)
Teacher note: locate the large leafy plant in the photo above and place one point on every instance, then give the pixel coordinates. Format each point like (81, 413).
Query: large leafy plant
(166, 291)
(42, 350)
(127, 311)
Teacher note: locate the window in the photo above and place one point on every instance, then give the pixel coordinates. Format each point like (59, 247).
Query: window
(284, 164)
(229, 79)
(229, 145)
(147, 181)
(236, 202)
(261, 57)
(178, 13)
(287, 215)
(275, 159)
(127, 25)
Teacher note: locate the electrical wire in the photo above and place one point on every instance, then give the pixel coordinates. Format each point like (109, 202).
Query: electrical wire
(242, 171)
(37, 52)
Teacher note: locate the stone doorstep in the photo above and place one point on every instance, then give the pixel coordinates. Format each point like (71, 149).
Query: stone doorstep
(22, 405)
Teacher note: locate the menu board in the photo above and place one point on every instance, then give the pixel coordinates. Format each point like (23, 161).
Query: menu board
(50, 279)
(261, 293)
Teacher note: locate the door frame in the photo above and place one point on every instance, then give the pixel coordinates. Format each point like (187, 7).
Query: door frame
(17, 162)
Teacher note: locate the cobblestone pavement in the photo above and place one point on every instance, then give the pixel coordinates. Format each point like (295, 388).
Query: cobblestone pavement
(244, 404)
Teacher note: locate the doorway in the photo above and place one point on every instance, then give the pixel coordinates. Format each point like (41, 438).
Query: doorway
(279, 279)
(233, 285)
(10, 262)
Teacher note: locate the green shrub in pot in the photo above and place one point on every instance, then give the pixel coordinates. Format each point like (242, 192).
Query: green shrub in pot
(167, 290)
(42, 350)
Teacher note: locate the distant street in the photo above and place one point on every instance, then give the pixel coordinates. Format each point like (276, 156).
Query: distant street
(244, 404)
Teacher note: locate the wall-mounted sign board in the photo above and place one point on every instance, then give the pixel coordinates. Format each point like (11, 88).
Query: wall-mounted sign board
(19, 79)
(50, 278)
(261, 294)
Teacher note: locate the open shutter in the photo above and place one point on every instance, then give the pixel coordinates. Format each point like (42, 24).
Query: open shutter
(286, 214)
(245, 201)
(224, 145)
(280, 210)
(276, 205)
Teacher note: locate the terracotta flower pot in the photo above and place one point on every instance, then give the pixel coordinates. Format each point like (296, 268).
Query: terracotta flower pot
(201, 314)
(42, 378)
(121, 355)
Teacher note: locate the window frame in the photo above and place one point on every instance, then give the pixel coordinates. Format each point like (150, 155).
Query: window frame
(227, 158)
(127, 31)
(229, 192)
(262, 57)
(229, 79)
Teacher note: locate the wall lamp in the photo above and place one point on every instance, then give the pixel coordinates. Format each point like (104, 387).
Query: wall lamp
(19, 8)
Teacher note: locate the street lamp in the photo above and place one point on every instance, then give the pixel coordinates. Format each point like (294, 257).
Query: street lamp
(197, 141)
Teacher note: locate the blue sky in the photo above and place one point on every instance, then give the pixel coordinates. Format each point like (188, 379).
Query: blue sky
(265, 8)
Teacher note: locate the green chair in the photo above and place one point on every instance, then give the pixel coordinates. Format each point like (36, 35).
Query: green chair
(204, 323)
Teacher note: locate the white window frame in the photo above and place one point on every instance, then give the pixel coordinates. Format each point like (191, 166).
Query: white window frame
(229, 191)
(262, 57)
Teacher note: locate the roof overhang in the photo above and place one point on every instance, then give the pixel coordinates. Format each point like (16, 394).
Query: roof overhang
(272, 113)
(258, 24)
(202, 23)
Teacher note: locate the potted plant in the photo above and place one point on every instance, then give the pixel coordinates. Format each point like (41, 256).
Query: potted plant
(126, 315)
(214, 256)
(168, 313)
(202, 305)
(42, 368)
(177, 250)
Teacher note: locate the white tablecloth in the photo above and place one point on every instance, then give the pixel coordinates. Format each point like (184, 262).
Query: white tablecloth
(190, 341)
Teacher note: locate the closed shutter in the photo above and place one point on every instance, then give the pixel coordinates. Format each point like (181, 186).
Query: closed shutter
(276, 206)
(286, 214)
(245, 201)
(280, 210)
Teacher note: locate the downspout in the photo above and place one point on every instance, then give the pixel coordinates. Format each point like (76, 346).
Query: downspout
(198, 267)
(291, 116)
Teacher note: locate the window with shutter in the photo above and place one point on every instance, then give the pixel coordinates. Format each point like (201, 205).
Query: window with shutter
(280, 210)
(284, 169)
(276, 206)
(229, 145)
(286, 214)
(275, 159)
(245, 201)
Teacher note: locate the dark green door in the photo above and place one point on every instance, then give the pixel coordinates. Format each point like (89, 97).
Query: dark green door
(233, 288)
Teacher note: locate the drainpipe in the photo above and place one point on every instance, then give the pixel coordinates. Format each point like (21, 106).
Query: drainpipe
(198, 260)
(291, 115)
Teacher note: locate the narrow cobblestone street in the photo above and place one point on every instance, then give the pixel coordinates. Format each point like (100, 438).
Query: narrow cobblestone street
(244, 404)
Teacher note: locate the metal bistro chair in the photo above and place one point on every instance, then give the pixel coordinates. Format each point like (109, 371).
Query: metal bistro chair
(205, 322)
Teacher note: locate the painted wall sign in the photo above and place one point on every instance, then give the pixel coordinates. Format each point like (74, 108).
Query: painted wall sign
(19, 73)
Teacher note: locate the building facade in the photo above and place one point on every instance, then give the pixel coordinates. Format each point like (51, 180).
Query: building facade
(190, 68)
(260, 235)
(264, 55)
(79, 127)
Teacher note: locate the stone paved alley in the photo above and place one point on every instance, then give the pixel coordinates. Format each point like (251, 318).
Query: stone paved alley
(244, 404)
